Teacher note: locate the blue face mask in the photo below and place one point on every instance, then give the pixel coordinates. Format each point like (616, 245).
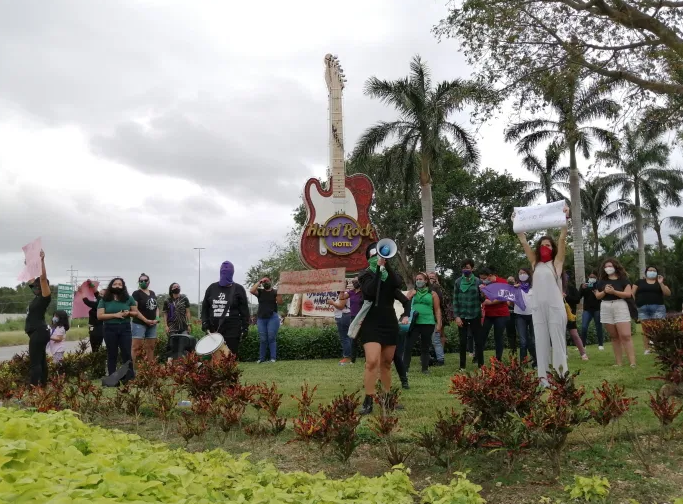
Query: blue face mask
(486, 281)
(651, 275)
(55, 320)
(420, 284)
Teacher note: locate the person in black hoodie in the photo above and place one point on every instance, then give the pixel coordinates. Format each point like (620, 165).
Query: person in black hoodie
(95, 331)
(591, 311)
(225, 308)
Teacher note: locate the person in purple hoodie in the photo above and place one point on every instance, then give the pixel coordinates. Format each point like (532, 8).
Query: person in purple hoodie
(225, 309)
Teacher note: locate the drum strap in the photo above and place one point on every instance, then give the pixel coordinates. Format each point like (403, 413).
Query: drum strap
(226, 310)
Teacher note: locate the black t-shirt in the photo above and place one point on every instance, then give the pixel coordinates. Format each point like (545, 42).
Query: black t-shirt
(619, 285)
(267, 303)
(649, 294)
(590, 302)
(35, 315)
(215, 300)
(147, 305)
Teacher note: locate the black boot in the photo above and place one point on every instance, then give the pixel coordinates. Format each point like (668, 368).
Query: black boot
(404, 383)
(366, 409)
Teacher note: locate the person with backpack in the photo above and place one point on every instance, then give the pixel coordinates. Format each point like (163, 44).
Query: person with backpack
(467, 312)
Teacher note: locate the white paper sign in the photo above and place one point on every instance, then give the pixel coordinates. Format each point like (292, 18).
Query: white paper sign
(315, 304)
(535, 218)
(32, 266)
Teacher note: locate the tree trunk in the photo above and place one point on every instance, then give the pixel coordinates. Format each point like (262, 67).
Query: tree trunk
(596, 244)
(577, 234)
(639, 231)
(660, 243)
(428, 226)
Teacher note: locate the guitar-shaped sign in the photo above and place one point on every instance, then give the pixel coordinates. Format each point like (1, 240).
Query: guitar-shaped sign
(338, 224)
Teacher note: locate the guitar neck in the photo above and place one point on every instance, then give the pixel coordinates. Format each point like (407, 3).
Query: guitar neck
(337, 143)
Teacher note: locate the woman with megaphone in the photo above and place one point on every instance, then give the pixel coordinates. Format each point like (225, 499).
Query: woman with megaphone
(380, 286)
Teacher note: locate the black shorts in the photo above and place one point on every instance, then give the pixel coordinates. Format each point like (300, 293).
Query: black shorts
(571, 324)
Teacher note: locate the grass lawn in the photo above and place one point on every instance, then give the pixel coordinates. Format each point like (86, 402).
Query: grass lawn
(18, 337)
(593, 451)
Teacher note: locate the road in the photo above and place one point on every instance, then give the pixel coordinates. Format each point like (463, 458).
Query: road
(6, 353)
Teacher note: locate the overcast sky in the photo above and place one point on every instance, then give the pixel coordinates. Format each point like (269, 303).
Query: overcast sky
(133, 131)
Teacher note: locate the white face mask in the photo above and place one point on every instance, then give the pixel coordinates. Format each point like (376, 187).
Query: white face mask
(609, 270)
(523, 277)
(651, 274)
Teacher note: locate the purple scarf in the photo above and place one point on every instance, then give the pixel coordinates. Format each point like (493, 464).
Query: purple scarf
(525, 286)
(227, 272)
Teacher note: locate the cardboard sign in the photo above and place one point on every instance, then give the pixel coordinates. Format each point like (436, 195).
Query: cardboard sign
(322, 280)
(32, 266)
(80, 310)
(315, 304)
(539, 217)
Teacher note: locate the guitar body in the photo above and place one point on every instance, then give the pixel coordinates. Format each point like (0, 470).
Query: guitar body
(321, 206)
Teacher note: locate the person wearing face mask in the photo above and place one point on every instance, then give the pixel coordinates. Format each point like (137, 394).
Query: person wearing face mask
(613, 289)
(225, 308)
(524, 320)
(58, 330)
(95, 329)
(572, 298)
(176, 311)
(549, 314)
(426, 305)
(145, 323)
(591, 311)
(35, 326)
(467, 312)
(267, 318)
(649, 293)
(439, 338)
(496, 313)
(115, 309)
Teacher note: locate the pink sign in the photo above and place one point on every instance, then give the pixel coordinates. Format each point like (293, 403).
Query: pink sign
(32, 268)
(85, 291)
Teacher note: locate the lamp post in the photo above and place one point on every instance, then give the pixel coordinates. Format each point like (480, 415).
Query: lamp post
(199, 282)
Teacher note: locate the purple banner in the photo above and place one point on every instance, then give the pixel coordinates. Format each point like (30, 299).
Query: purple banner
(505, 292)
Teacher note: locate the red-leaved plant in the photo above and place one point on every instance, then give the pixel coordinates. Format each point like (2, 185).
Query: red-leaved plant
(664, 409)
(609, 403)
(454, 433)
(205, 378)
(268, 400)
(307, 425)
(339, 420)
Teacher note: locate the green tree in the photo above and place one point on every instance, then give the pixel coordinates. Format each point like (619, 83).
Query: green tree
(597, 210)
(550, 175)
(575, 106)
(282, 257)
(424, 112)
(644, 175)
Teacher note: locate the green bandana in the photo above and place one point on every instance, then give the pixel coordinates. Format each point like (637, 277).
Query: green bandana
(466, 283)
(373, 267)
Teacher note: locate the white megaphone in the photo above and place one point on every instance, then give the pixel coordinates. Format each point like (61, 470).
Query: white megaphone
(386, 248)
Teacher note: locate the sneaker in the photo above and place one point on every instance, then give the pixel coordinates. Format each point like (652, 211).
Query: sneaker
(405, 385)
(260, 361)
(584, 357)
(272, 361)
(425, 371)
(440, 363)
(601, 348)
(646, 352)
(344, 361)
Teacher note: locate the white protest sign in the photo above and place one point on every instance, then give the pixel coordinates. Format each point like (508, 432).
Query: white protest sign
(315, 304)
(32, 267)
(535, 218)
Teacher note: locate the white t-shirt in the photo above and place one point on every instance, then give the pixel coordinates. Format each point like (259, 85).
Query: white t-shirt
(347, 309)
(528, 299)
(57, 346)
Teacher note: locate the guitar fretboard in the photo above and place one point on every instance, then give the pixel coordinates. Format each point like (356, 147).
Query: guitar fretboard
(337, 141)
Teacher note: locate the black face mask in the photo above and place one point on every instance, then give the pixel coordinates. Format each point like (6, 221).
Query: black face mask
(116, 290)
(175, 291)
(35, 288)
(267, 285)
(356, 285)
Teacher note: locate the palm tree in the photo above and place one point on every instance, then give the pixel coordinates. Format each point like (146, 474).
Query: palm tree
(597, 209)
(422, 125)
(575, 106)
(642, 160)
(549, 173)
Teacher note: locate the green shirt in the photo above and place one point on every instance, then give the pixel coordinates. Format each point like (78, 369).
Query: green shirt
(115, 306)
(423, 304)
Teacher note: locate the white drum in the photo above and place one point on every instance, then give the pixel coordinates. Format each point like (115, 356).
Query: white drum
(210, 346)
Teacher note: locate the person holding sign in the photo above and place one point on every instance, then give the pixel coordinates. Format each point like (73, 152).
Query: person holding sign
(548, 313)
(35, 326)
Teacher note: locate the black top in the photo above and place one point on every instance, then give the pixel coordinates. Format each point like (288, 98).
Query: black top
(92, 314)
(35, 315)
(619, 285)
(649, 294)
(590, 302)
(572, 298)
(236, 323)
(267, 303)
(177, 323)
(147, 305)
(381, 318)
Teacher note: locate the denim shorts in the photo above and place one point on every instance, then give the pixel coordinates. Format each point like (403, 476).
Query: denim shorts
(651, 311)
(143, 331)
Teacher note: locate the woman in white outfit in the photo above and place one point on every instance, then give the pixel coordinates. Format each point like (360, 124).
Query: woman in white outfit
(548, 312)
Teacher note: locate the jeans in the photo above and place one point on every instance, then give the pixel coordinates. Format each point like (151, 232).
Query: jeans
(424, 333)
(37, 355)
(143, 331)
(651, 312)
(527, 340)
(96, 334)
(471, 328)
(585, 322)
(511, 330)
(343, 324)
(267, 333)
(438, 347)
(499, 324)
(118, 337)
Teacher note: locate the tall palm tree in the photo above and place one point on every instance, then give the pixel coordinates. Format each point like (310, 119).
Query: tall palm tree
(575, 106)
(597, 209)
(423, 123)
(644, 175)
(550, 175)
